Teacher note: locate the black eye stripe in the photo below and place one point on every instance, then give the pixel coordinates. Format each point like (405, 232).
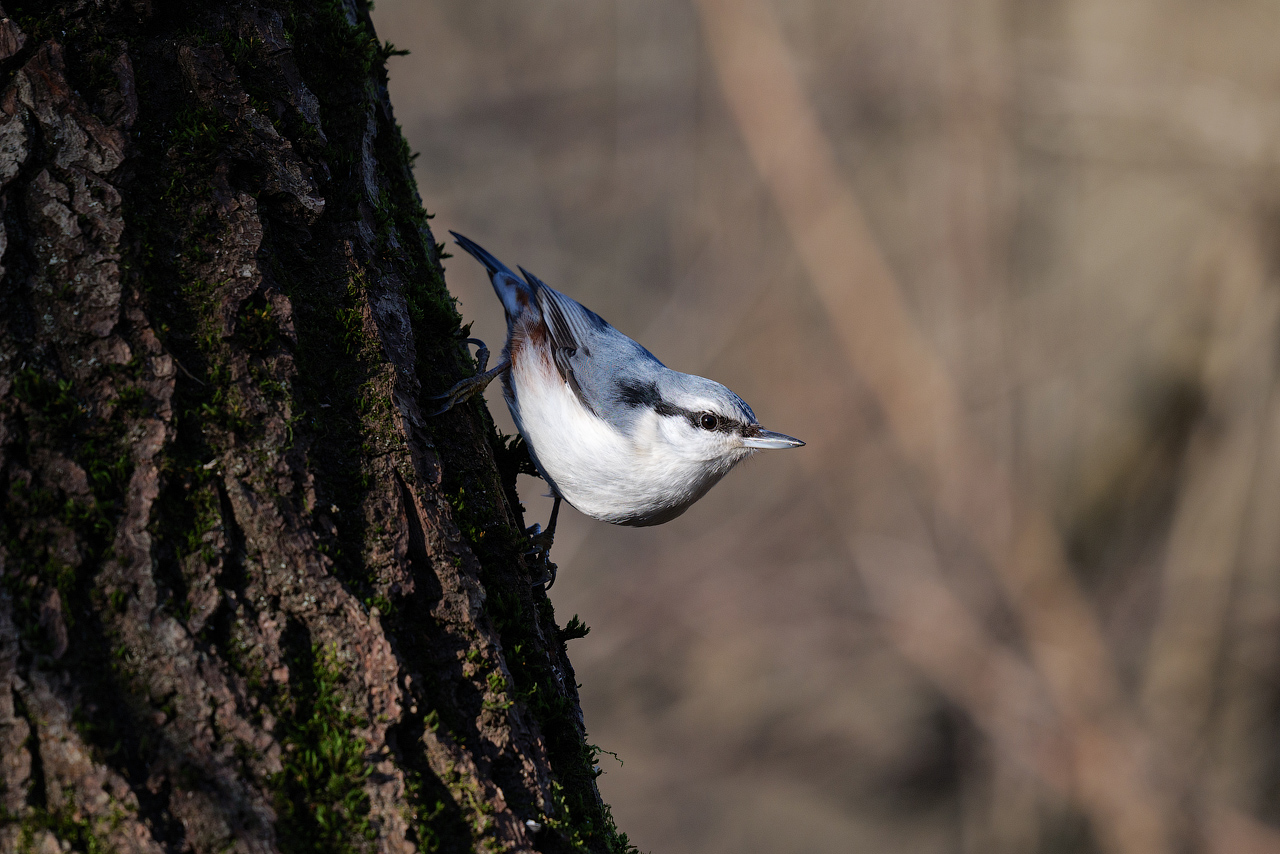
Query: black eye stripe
(646, 394)
(633, 394)
(723, 424)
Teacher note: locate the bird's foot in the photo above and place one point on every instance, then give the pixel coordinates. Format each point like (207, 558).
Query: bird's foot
(546, 569)
(468, 388)
(540, 553)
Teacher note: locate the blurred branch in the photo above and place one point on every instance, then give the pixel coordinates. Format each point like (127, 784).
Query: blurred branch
(1200, 566)
(921, 406)
(1245, 709)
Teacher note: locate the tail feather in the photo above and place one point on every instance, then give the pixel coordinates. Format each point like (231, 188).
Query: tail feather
(533, 280)
(506, 284)
(493, 265)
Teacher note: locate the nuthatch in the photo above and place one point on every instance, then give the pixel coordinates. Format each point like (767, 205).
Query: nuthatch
(613, 431)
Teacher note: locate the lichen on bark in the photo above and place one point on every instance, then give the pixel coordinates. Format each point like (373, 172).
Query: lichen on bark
(253, 599)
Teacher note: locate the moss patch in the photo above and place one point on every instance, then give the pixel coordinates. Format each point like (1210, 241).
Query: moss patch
(63, 824)
(320, 797)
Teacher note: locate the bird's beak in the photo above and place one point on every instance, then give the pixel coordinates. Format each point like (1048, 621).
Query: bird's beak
(764, 439)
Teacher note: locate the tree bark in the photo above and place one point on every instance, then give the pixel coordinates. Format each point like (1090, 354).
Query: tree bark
(253, 598)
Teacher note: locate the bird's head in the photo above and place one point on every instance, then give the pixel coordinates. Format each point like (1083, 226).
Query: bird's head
(697, 420)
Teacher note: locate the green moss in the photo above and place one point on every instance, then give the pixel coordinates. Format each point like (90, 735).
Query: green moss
(335, 404)
(319, 796)
(257, 330)
(197, 133)
(574, 629)
(578, 816)
(561, 820)
(206, 517)
(64, 551)
(63, 823)
(243, 654)
(51, 403)
(50, 415)
(500, 689)
(89, 65)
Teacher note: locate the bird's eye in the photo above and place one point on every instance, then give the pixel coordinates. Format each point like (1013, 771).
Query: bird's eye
(709, 421)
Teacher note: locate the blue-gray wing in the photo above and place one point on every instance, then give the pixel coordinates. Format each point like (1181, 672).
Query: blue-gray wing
(596, 360)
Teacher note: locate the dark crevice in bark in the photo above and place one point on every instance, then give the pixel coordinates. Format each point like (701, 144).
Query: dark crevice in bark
(153, 800)
(232, 576)
(35, 791)
(427, 583)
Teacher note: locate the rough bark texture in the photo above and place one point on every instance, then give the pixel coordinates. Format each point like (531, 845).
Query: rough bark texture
(253, 600)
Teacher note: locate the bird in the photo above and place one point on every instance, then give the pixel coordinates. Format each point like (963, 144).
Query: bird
(612, 430)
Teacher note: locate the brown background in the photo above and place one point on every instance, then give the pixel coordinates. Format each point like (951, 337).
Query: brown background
(1077, 204)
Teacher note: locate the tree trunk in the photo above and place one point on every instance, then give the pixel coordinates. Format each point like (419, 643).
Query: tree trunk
(253, 598)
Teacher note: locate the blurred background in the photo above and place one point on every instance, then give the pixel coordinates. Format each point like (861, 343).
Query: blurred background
(1010, 269)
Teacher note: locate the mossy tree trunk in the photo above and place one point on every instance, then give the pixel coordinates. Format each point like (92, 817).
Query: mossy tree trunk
(253, 599)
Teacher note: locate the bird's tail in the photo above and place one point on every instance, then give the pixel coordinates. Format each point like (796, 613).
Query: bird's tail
(493, 265)
(506, 284)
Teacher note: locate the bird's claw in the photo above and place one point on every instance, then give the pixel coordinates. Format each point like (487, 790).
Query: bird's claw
(538, 537)
(461, 392)
(539, 554)
(465, 389)
(541, 558)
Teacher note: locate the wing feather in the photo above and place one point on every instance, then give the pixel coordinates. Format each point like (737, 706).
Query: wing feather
(569, 321)
(572, 328)
(598, 362)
